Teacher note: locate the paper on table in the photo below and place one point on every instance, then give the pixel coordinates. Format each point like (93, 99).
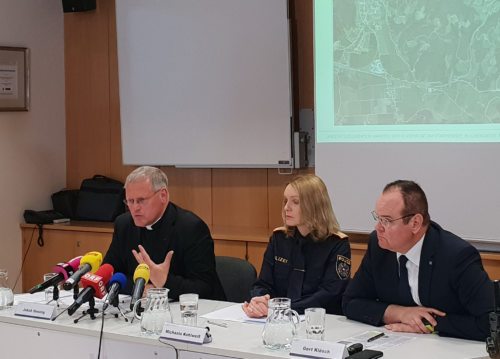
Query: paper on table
(40, 297)
(235, 313)
(65, 298)
(390, 339)
(232, 313)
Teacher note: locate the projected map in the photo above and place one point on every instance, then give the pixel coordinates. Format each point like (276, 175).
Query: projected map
(416, 62)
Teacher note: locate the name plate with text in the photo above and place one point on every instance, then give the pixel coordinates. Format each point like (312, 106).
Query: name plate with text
(34, 310)
(185, 333)
(318, 349)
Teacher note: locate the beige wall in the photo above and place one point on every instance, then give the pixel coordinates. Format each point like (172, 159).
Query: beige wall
(32, 144)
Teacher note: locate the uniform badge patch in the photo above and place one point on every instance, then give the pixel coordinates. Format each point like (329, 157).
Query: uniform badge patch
(280, 259)
(343, 267)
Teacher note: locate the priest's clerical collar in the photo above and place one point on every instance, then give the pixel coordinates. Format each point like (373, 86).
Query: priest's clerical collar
(150, 226)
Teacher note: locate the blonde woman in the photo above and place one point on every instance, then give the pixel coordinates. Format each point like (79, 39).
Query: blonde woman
(309, 259)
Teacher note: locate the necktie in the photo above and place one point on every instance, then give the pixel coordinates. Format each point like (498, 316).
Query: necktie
(294, 291)
(404, 286)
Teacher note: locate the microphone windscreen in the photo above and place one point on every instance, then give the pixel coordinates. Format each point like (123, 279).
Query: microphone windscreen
(142, 271)
(98, 280)
(106, 272)
(119, 278)
(64, 269)
(67, 269)
(94, 259)
(75, 262)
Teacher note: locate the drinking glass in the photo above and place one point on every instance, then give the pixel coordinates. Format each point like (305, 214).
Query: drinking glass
(49, 292)
(189, 308)
(315, 323)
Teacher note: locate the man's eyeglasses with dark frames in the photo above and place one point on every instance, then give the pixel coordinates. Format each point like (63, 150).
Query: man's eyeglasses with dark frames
(141, 201)
(385, 222)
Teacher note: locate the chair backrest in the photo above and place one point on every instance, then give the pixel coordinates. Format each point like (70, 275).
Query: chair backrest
(237, 277)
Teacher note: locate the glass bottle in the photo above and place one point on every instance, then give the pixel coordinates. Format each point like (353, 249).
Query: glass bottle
(6, 294)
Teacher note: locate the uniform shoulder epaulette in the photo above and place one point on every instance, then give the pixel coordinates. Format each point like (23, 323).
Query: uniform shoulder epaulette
(341, 234)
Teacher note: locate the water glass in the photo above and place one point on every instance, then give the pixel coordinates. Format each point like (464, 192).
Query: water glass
(49, 292)
(189, 308)
(315, 323)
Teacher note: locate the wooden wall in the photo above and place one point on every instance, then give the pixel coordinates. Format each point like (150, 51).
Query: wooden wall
(243, 199)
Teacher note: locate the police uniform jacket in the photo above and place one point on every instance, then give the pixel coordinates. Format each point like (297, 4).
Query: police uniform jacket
(451, 278)
(192, 269)
(310, 273)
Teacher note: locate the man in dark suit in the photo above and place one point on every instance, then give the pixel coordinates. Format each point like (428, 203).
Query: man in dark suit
(416, 277)
(175, 243)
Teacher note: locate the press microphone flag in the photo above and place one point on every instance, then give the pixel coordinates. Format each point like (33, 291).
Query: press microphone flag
(90, 262)
(141, 277)
(94, 285)
(62, 270)
(117, 282)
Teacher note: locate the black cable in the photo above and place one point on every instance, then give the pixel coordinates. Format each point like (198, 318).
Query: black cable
(40, 240)
(171, 346)
(100, 336)
(24, 258)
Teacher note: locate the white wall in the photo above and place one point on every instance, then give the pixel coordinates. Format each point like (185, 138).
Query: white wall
(33, 143)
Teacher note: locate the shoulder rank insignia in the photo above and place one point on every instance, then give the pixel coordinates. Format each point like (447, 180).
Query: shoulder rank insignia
(343, 267)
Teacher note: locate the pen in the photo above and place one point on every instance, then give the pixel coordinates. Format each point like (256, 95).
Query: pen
(223, 325)
(375, 337)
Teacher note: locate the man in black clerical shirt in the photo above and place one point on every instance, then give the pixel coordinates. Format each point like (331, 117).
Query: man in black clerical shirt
(175, 243)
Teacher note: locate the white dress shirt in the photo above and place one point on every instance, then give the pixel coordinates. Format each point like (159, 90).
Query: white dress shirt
(412, 266)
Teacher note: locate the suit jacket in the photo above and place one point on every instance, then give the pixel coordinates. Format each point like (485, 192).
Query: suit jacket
(451, 278)
(318, 278)
(192, 269)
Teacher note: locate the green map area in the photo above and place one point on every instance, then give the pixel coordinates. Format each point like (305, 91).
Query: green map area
(416, 62)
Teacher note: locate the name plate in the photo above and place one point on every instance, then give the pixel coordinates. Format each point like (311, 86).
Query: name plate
(34, 310)
(184, 333)
(318, 349)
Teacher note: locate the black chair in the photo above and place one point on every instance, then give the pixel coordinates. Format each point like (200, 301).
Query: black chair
(237, 277)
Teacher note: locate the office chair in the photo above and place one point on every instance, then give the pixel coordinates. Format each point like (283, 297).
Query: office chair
(237, 277)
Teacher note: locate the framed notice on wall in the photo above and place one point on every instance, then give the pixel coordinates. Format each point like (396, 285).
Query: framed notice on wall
(14, 78)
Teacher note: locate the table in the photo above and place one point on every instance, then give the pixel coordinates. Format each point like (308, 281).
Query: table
(28, 337)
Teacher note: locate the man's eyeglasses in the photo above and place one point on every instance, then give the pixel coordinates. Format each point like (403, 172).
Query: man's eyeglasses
(141, 201)
(385, 222)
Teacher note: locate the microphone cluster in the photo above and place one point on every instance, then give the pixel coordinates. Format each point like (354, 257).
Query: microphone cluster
(94, 285)
(97, 281)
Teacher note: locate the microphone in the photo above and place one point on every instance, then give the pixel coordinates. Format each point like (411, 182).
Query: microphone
(141, 277)
(63, 270)
(89, 263)
(94, 286)
(117, 282)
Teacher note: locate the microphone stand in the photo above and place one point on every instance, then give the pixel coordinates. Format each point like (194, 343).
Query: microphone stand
(76, 291)
(55, 295)
(115, 303)
(92, 311)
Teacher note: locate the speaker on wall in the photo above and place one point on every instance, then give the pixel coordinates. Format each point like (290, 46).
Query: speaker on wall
(78, 5)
